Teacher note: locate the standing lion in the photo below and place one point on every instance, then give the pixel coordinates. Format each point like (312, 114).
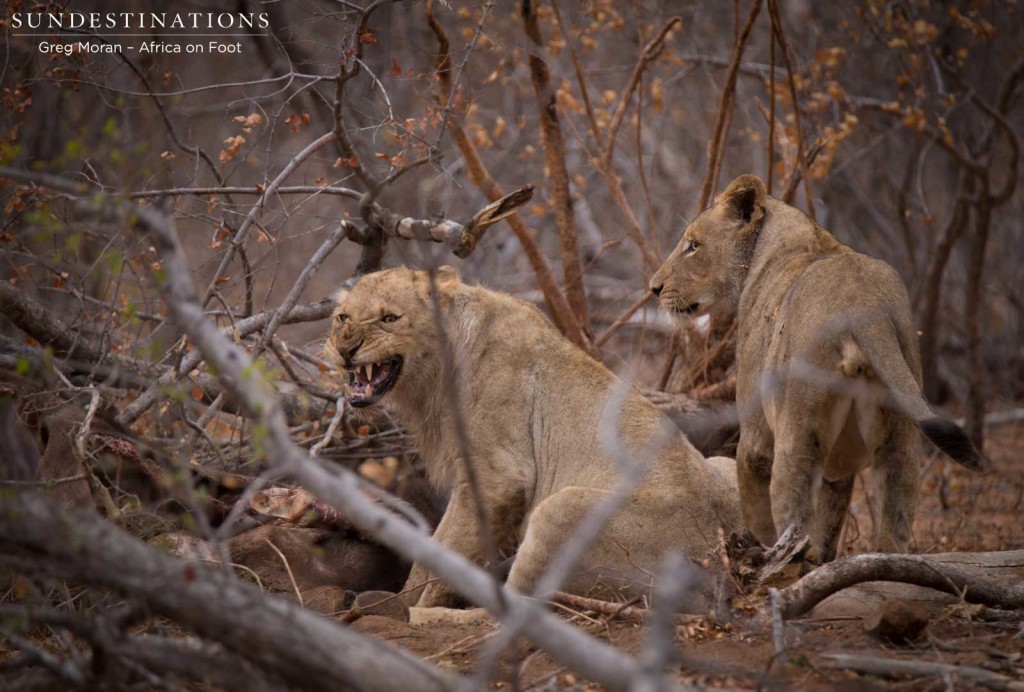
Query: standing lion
(828, 375)
(533, 412)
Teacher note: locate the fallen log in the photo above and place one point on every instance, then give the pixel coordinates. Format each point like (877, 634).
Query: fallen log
(892, 667)
(992, 579)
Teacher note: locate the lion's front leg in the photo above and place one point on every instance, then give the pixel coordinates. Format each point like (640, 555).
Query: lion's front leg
(459, 532)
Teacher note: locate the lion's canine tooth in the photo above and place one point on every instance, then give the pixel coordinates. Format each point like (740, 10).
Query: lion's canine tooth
(370, 368)
(369, 391)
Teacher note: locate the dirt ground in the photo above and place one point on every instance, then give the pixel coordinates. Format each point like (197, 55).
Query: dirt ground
(958, 511)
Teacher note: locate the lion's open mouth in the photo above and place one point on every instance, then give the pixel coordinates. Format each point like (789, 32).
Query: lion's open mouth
(370, 381)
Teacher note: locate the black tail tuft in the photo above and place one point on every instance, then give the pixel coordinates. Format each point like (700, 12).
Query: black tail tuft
(951, 439)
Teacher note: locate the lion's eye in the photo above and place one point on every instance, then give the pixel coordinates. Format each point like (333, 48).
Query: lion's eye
(342, 318)
(694, 244)
(390, 317)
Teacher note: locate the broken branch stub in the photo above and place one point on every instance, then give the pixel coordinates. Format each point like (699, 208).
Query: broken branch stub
(460, 238)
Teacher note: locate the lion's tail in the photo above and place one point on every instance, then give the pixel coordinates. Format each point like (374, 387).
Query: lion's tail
(878, 343)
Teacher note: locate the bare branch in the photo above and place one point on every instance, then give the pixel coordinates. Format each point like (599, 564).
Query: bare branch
(802, 157)
(892, 667)
(558, 176)
(725, 105)
(247, 224)
(650, 53)
(39, 323)
(561, 312)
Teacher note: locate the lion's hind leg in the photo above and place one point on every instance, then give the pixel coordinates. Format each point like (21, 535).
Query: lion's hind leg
(619, 560)
(833, 503)
(625, 559)
(549, 525)
(799, 461)
(754, 476)
(895, 472)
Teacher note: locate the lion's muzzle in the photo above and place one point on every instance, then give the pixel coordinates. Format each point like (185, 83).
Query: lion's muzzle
(368, 382)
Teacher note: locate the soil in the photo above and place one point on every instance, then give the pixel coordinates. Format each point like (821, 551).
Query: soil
(958, 511)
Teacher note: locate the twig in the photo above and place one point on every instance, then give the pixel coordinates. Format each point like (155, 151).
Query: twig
(650, 52)
(622, 319)
(269, 191)
(602, 158)
(561, 312)
(287, 567)
(778, 627)
(584, 92)
(99, 491)
(725, 105)
(37, 321)
(215, 604)
(773, 10)
(454, 83)
(575, 613)
(670, 361)
(621, 611)
(303, 313)
(461, 645)
(248, 570)
(64, 670)
(299, 286)
(48, 483)
(674, 584)
(889, 667)
(339, 413)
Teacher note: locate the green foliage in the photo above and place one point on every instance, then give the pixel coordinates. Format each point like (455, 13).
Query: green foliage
(110, 129)
(73, 149)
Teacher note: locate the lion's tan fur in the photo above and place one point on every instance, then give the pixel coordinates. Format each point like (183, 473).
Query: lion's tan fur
(532, 408)
(828, 367)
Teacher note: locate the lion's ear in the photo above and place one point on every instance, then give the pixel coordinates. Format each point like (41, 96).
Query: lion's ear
(744, 199)
(447, 278)
(340, 294)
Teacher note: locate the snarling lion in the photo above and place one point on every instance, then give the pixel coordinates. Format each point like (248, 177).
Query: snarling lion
(828, 367)
(533, 411)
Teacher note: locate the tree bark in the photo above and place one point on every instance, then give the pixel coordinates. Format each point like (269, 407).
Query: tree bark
(558, 176)
(973, 317)
(932, 297)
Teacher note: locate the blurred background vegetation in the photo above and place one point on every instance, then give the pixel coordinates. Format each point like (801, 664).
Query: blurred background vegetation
(625, 115)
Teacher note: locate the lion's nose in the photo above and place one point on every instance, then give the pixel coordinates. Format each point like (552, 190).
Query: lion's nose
(348, 352)
(656, 288)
